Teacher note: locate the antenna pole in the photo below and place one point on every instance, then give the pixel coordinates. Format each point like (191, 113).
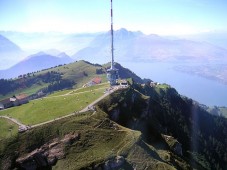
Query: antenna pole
(112, 73)
(112, 38)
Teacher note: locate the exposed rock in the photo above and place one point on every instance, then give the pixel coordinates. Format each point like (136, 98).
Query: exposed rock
(57, 152)
(177, 148)
(145, 111)
(114, 115)
(174, 145)
(48, 154)
(117, 162)
(70, 138)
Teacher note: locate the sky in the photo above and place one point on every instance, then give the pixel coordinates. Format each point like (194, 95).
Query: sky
(163, 17)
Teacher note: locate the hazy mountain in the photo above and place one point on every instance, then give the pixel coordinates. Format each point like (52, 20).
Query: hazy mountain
(7, 46)
(218, 38)
(53, 52)
(135, 46)
(35, 62)
(99, 49)
(158, 48)
(35, 42)
(72, 43)
(10, 53)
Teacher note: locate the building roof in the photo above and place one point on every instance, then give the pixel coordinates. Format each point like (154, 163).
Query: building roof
(21, 96)
(96, 80)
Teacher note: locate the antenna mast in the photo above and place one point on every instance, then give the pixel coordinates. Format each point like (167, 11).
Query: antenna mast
(112, 38)
(112, 73)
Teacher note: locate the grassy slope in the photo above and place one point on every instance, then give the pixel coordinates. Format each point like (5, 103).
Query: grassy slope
(7, 128)
(74, 71)
(145, 156)
(48, 108)
(223, 111)
(80, 72)
(130, 104)
(220, 111)
(82, 89)
(99, 141)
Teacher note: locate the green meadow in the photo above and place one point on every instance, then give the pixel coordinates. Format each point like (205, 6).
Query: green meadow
(7, 128)
(48, 108)
(82, 89)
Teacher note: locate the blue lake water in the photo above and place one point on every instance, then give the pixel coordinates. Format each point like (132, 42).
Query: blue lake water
(205, 91)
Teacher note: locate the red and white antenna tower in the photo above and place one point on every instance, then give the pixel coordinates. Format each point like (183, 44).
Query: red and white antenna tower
(112, 73)
(112, 37)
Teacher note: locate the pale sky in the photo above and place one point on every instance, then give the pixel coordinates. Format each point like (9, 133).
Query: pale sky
(164, 17)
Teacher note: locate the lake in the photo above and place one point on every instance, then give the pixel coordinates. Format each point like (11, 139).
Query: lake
(205, 91)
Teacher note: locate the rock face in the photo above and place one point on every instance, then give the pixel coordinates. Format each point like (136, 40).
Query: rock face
(114, 115)
(48, 154)
(177, 148)
(174, 145)
(115, 163)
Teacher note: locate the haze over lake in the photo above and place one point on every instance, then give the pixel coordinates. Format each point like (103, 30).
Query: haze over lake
(201, 89)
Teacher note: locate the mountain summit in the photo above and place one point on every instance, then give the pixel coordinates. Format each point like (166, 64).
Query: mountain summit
(35, 63)
(98, 50)
(7, 46)
(10, 53)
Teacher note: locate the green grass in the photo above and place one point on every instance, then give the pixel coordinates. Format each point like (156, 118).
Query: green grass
(98, 142)
(7, 128)
(163, 86)
(99, 86)
(102, 145)
(223, 111)
(82, 89)
(146, 157)
(41, 110)
(62, 92)
(75, 71)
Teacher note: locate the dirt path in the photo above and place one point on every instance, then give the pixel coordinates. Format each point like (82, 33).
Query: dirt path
(13, 120)
(87, 108)
(74, 93)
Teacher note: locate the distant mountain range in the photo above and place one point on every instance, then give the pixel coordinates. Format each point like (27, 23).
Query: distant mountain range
(34, 63)
(7, 46)
(95, 48)
(136, 46)
(35, 42)
(9, 52)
